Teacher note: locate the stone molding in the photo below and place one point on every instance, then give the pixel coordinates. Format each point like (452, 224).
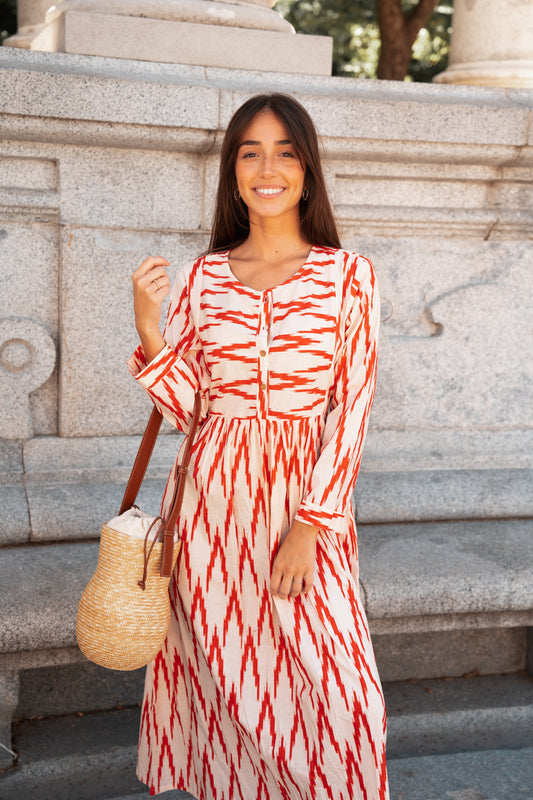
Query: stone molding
(471, 149)
(69, 486)
(507, 73)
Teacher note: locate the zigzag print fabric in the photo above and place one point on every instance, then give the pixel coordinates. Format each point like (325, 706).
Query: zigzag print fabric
(254, 697)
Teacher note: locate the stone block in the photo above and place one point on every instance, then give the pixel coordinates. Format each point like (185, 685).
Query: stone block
(100, 90)
(445, 716)
(492, 774)
(9, 685)
(429, 495)
(432, 577)
(210, 190)
(379, 110)
(128, 37)
(41, 588)
(452, 351)
(99, 397)
(449, 654)
(83, 757)
(75, 485)
(15, 527)
(424, 196)
(38, 659)
(80, 687)
(28, 235)
(118, 188)
(410, 450)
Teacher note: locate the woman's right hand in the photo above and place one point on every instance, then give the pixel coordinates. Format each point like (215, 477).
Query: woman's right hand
(151, 285)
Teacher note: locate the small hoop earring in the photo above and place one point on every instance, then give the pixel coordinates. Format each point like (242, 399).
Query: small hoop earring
(305, 194)
(236, 195)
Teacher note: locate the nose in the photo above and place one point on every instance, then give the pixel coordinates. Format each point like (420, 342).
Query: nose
(268, 165)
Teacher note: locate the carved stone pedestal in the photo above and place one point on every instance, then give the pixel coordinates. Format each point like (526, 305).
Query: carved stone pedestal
(245, 35)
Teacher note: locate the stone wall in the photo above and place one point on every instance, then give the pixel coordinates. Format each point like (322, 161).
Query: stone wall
(104, 161)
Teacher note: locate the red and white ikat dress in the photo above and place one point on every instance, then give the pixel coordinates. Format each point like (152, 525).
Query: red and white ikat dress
(253, 697)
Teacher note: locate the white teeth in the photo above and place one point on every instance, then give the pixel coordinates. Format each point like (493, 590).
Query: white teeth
(268, 191)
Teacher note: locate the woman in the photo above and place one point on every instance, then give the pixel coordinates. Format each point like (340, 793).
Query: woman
(267, 686)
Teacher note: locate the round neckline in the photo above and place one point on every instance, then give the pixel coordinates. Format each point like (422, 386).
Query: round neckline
(271, 288)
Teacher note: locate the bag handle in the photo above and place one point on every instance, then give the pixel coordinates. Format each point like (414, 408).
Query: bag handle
(138, 472)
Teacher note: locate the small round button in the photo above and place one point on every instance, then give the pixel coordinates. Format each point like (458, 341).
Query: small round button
(263, 386)
(262, 353)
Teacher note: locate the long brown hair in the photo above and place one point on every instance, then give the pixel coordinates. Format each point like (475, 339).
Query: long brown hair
(231, 225)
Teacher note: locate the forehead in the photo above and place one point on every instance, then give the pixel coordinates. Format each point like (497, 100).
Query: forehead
(265, 127)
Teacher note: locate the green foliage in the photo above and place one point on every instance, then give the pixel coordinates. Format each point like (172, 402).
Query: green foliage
(432, 46)
(8, 18)
(355, 31)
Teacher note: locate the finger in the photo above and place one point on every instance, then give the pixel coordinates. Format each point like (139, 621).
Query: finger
(285, 588)
(308, 583)
(158, 285)
(155, 274)
(148, 264)
(296, 587)
(275, 580)
(153, 261)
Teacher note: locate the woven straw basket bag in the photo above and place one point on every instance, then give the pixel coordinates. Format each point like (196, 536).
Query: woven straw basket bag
(119, 624)
(124, 612)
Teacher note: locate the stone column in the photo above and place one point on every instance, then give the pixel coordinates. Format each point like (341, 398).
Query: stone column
(241, 34)
(492, 43)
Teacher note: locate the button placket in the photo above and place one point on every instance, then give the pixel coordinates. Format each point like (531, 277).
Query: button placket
(262, 345)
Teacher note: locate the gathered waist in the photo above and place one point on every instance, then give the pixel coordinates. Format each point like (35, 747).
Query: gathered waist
(290, 432)
(287, 417)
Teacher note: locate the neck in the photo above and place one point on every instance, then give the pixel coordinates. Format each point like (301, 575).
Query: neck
(272, 240)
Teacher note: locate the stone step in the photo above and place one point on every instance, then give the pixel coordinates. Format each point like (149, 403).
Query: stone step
(414, 578)
(77, 757)
(483, 775)
(450, 654)
(450, 724)
(492, 712)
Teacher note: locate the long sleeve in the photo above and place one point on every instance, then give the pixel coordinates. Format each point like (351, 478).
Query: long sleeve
(335, 472)
(174, 376)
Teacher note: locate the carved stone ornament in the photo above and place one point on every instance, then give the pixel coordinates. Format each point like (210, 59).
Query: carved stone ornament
(27, 359)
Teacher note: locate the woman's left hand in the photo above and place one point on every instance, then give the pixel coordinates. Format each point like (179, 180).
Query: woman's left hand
(294, 564)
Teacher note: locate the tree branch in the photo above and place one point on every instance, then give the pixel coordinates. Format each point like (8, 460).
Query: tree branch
(418, 17)
(398, 32)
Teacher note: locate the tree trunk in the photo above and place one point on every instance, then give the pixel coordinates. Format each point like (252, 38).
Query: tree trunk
(398, 32)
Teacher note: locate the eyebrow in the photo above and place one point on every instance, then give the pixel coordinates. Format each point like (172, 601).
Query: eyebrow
(255, 143)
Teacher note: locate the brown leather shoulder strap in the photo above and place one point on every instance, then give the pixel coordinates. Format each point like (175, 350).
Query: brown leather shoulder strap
(142, 459)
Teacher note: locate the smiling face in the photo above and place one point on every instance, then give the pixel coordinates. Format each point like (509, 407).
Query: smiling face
(270, 176)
